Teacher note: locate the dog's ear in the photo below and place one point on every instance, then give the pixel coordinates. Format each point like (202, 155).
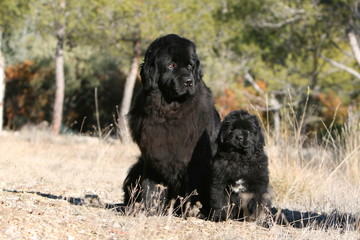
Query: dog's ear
(197, 70)
(220, 139)
(148, 70)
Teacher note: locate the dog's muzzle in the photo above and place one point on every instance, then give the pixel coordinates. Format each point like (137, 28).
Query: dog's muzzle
(188, 82)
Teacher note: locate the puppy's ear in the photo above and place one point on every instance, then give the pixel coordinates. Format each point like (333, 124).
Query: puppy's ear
(224, 131)
(261, 138)
(149, 71)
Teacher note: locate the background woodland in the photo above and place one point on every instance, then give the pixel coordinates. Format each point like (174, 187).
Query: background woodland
(74, 64)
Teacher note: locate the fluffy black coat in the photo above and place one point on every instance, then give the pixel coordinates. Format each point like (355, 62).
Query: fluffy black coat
(175, 124)
(240, 176)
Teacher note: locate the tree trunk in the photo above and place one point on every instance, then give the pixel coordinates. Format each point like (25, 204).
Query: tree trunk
(60, 81)
(2, 85)
(354, 45)
(274, 105)
(128, 92)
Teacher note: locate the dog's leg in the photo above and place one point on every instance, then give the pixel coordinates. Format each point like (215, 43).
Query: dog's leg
(263, 217)
(248, 205)
(153, 196)
(132, 184)
(220, 203)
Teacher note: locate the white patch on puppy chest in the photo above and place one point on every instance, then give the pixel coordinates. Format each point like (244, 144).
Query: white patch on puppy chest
(239, 186)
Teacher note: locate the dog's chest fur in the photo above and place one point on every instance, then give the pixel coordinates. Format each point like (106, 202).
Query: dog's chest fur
(178, 129)
(238, 165)
(172, 135)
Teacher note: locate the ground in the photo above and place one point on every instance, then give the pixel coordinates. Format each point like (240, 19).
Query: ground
(37, 168)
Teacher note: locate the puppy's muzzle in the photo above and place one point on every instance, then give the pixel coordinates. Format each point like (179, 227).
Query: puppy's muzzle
(240, 138)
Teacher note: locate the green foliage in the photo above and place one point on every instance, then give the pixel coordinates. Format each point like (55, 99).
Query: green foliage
(280, 43)
(102, 73)
(11, 10)
(30, 92)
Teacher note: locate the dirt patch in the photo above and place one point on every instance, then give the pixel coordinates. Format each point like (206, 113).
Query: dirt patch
(74, 167)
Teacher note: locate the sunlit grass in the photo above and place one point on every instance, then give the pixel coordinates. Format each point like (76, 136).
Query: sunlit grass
(316, 176)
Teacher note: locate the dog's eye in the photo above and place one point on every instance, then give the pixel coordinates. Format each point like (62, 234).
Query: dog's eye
(171, 65)
(189, 67)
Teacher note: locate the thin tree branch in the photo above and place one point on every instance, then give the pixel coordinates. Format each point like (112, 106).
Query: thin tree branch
(341, 66)
(274, 103)
(251, 80)
(278, 24)
(346, 53)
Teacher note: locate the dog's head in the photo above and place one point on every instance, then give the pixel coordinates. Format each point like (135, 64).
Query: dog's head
(241, 131)
(172, 66)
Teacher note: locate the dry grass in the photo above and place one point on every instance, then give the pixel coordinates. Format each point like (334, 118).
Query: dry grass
(65, 164)
(320, 178)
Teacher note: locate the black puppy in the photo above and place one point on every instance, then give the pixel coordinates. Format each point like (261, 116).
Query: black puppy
(240, 176)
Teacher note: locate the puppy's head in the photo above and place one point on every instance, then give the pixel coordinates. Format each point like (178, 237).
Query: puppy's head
(172, 66)
(241, 131)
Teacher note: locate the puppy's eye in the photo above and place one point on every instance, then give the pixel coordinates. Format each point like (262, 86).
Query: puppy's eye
(171, 65)
(189, 67)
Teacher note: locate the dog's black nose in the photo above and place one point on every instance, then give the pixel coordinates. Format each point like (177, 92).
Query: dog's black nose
(188, 82)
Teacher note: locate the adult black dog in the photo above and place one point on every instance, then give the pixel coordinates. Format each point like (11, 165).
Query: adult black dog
(240, 176)
(175, 124)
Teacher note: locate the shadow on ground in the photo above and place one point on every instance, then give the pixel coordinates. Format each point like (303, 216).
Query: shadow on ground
(286, 217)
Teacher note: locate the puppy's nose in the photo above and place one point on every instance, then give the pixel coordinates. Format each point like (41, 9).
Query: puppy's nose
(239, 138)
(188, 82)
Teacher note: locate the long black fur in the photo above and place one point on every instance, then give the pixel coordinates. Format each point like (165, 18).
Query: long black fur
(174, 122)
(240, 176)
